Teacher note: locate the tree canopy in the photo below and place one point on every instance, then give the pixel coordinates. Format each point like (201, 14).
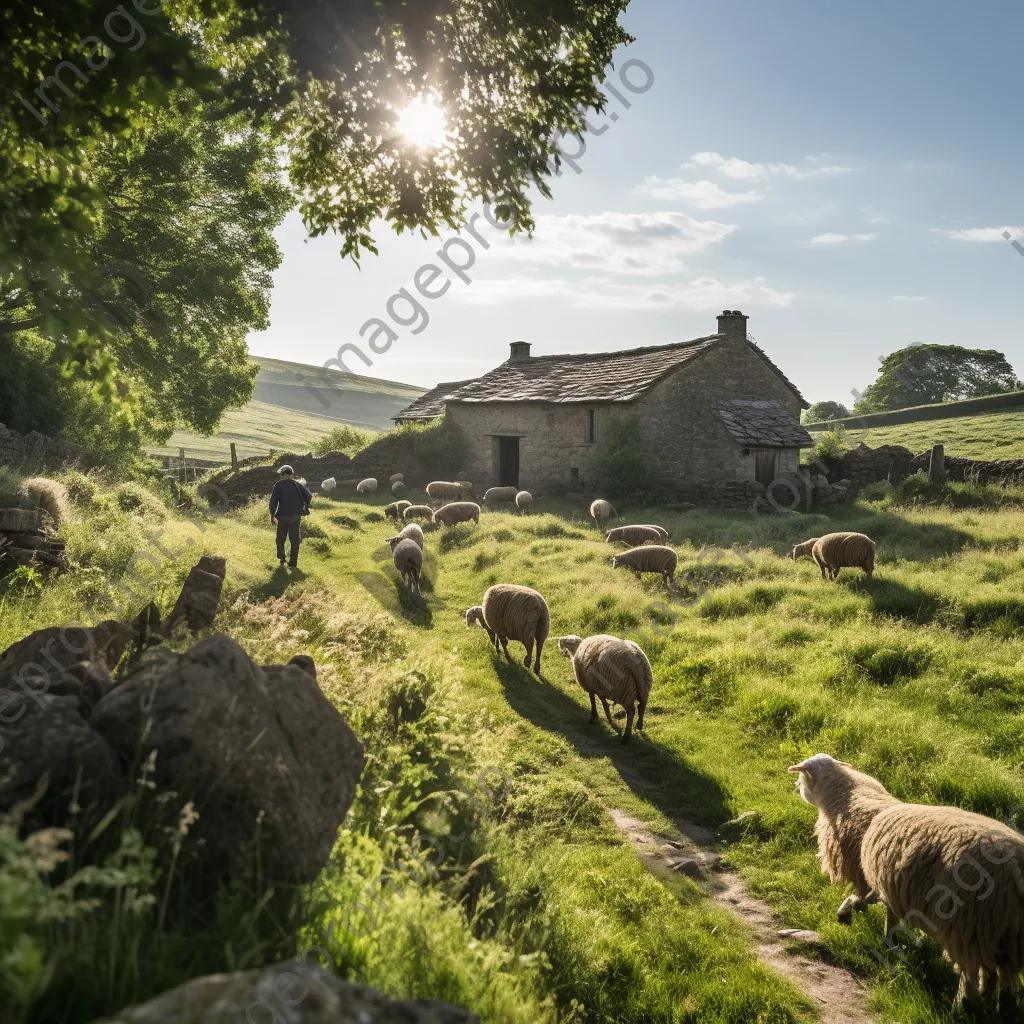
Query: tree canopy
(147, 153)
(927, 374)
(822, 412)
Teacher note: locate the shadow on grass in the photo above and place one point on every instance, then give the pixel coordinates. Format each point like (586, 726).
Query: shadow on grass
(395, 597)
(278, 583)
(652, 772)
(891, 597)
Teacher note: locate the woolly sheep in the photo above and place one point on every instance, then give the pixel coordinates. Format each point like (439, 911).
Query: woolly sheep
(497, 495)
(524, 499)
(328, 485)
(634, 536)
(396, 508)
(417, 512)
(367, 486)
(805, 549)
(662, 532)
(398, 488)
(458, 512)
(614, 670)
(448, 490)
(510, 612)
(411, 532)
(468, 490)
(408, 559)
(835, 551)
(925, 864)
(602, 511)
(396, 478)
(649, 558)
(49, 495)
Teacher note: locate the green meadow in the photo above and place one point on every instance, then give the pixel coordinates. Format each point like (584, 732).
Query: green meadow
(542, 911)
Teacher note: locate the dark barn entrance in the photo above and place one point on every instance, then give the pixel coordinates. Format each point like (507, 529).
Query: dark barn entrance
(508, 461)
(765, 467)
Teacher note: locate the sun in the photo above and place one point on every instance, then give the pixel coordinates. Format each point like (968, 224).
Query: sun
(422, 123)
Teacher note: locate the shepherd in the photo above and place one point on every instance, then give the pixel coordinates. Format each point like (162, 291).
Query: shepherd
(289, 502)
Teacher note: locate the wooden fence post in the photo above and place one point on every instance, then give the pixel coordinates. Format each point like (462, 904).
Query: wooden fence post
(234, 458)
(184, 468)
(937, 466)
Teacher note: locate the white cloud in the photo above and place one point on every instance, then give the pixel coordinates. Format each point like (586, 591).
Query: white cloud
(981, 234)
(908, 298)
(705, 195)
(624, 243)
(829, 238)
(870, 237)
(701, 293)
(744, 170)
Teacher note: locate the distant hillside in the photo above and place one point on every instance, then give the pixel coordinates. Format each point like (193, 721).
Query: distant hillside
(292, 407)
(988, 435)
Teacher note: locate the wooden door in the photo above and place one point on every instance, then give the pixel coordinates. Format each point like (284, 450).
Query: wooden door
(508, 461)
(765, 467)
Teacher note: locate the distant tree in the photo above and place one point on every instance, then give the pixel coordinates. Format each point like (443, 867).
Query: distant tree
(822, 412)
(927, 374)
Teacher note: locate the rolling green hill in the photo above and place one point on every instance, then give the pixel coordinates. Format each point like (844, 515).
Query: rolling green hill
(294, 405)
(992, 435)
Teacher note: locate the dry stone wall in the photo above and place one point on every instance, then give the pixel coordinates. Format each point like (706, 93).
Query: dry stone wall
(35, 449)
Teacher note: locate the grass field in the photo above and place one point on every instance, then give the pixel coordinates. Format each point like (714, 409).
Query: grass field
(546, 914)
(993, 435)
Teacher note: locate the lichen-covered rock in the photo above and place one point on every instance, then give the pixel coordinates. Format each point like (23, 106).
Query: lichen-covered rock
(48, 653)
(199, 599)
(289, 992)
(247, 740)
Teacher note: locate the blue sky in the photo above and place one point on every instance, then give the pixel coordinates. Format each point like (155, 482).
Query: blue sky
(842, 173)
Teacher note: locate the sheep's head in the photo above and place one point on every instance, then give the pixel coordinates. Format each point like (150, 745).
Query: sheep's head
(568, 645)
(804, 550)
(816, 775)
(393, 541)
(475, 614)
(614, 560)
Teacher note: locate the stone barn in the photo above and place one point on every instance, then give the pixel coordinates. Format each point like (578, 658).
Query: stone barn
(720, 416)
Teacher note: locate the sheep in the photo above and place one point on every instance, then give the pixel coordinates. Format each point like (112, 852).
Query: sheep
(510, 612)
(458, 512)
(408, 558)
(649, 558)
(417, 512)
(49, 495)
(907, 855)
(614, 670)
(396, 478)
(411, 532)
(497, 495)
(805, 549)
(662, 532)
(328, 485)
(524, 499)
(834, 551)
(447, 490)
(602, 512)
(634, 536)
(468, 490)
(367, 486)
(396, 508)
(398, 488)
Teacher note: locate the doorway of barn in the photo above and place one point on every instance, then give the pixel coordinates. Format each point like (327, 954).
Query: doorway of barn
(508, 461)
(765, 467)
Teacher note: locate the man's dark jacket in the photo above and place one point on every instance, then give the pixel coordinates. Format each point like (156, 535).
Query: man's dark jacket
(289, 498)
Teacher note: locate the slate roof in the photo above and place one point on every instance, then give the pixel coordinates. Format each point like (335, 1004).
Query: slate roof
(432, 403)
(761, 424)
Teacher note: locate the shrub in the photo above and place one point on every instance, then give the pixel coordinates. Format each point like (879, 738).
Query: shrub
(622, 465)
(82, 489)
(832, 445)
(822, 412)
(133, 497)
(345, 438)
(10, 487)
(49, 495)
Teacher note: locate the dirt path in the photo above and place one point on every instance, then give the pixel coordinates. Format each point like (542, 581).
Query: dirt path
(839, 996)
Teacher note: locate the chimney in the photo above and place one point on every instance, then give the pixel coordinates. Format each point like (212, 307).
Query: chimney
(519, 350)
(733, 325)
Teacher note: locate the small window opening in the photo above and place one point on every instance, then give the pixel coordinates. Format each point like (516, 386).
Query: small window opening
(590, 425)
(574, 473)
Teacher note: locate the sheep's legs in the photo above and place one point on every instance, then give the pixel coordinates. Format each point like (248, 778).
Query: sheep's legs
(504, 646)
(640, 718)
(854, 904)
(536, 660)
(607, 712)
(593, 709)
(629, 724)
(529, 653)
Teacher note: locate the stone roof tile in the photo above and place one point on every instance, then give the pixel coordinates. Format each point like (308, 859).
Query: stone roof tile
(761, 424)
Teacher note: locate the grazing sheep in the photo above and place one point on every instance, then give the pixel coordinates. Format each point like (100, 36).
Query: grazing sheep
(524, 499)
(634, 536)
(498, 495)
(602, 512)
(649, 558)
(328, 485)
(367, 486)
(468, 490)
(835, 551)
(951, 873)
(396, 508)
(398, 488)
(417, 512)
(806, 549)
(411, 532)
(458, 512)
(510, 612)
(408, 558)
(448, 490)
(614, 670)
(396, 478)
(662, 532)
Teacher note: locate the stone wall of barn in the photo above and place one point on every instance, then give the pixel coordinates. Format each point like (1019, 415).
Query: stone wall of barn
(682, 429)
